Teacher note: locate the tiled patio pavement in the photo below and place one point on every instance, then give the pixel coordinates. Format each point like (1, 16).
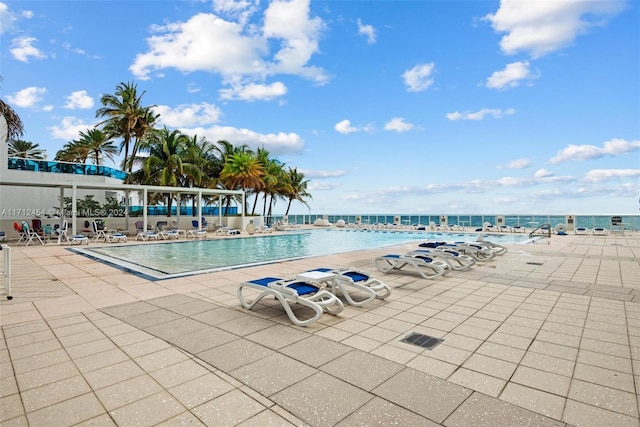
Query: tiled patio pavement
(524, 344)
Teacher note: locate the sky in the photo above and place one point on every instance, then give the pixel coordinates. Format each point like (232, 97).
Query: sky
(387, 107)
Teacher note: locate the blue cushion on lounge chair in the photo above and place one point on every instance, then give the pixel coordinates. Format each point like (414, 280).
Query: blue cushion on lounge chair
(356, 277)
(302, 288)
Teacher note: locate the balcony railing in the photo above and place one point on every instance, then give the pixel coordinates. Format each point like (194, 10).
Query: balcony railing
(17, 163)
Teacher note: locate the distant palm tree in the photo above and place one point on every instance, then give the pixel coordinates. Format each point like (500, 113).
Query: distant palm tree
(73, 152)
(99, 145)
(126, 118)
(26, 150)
(298, 187)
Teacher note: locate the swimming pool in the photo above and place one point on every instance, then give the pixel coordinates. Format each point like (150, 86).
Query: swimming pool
(179, 258)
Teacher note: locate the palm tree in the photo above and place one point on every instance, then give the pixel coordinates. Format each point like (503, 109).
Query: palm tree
(73, 152)
(242, 170)
(298, 187)
(165, 164)
(98, 145)
(26, 150)
(126, 118)
(15, 128)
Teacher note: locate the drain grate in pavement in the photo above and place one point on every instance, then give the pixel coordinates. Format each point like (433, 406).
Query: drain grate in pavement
(424, 341)
(534, 263)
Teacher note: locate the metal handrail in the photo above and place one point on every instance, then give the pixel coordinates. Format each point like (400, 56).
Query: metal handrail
(547, 226)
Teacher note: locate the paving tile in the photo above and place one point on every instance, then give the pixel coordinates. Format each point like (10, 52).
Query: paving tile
(148, 411)
(424, 394)
(542, 380)
(604, 397)
(605, 377)
(579, 414)
(112, 374)
(152, 318)
(266, 418)
(362, 369)
(321, 399)
(307, 350)
(236, 408)
(55, 392)
(510, 340)
(31, 350)
(125, 392)
(490, 366)
(266, 375)
(431, 366)
(38, 361)
(203, 339)
(503, 352)
(491, 386)
(200, 390)
(235, 354)
(68, 412)
(183, 419)
(277, 336)
(11, 408)
(100, 360)
(143, 348)
(218, 315)
(173, 329)
(537, 401)
(178, 373)
(555, 350)
(379, 412)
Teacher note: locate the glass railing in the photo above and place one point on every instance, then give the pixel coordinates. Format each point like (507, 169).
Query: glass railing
(17, 163)
(470, 222)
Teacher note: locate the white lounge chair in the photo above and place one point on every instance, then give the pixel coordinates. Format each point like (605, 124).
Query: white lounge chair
(292, 291)
(424, 268)
(456, 261)
(116, 238)
(599, 231)
(147, 235)
(29, 234)
(98, 233)
(582, 230)
(347, 281)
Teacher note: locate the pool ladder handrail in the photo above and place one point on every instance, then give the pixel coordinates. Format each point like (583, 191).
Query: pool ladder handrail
(548, 233)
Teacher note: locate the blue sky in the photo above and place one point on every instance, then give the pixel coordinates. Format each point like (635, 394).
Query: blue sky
(394, 107)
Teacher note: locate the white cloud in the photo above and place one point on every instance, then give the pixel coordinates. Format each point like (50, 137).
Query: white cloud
(79, 99)
(69, 128)
(600, 175)
(252, 92)
(7, 18)
(479, 115)
(516, 164)
(397, 124)
(186, 115)
(238, 51)
(27, 97)
(22, 49)
(543, 173)
(345, 127)
(323, 174)
(419, 78)
(511, 76)
(614, 147)
(323, 185)
(542, 27)
(275, 143)
(368, 31)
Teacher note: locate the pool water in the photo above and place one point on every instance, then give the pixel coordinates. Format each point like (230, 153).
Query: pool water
(179, 258)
